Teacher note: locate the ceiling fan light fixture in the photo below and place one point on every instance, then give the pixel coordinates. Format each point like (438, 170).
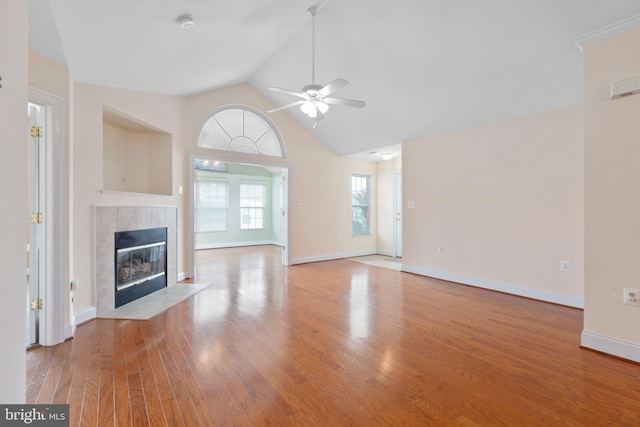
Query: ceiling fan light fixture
(322, 106)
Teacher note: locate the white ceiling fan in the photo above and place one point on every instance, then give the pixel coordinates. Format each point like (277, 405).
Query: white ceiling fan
(315, 99)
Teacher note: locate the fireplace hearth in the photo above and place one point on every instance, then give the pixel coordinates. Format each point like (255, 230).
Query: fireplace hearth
(140, 263)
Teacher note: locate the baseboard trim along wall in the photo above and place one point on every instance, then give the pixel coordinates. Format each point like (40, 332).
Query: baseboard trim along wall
(539, 294)
(238, 244)
(330, 257)
(612, 346)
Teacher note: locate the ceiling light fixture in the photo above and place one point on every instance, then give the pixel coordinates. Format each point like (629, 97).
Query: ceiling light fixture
(185, 21)
(387, 156)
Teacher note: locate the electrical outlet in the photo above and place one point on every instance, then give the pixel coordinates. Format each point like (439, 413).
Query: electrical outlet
(564, 265)
(631, 296)
(441, 250)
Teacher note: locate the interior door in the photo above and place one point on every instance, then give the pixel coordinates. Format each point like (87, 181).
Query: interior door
(397, 202)
(35, 244)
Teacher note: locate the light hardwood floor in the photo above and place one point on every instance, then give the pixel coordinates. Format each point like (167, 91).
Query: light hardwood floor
(335, 343)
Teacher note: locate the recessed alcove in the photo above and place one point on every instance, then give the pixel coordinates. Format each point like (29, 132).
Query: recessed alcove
(137, 157)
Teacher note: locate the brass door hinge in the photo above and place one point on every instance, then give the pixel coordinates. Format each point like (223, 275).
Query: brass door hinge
(36, 218)
(36, 304)
(36, 131)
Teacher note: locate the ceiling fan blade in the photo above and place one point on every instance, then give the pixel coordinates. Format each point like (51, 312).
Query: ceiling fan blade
(290, 92)
(333, 86)
(346, 102)
(293, 104)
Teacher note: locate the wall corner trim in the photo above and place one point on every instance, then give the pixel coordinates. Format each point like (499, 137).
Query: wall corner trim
(609, 31)
(508, 288)
(613, 346)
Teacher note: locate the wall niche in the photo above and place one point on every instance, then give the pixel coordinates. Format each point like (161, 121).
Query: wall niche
(137, 157)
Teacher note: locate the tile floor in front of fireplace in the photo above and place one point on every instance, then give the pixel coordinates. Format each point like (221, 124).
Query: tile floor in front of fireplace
(150, 305)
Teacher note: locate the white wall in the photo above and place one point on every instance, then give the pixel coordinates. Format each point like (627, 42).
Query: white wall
(13, 187)
(505, 200)
(612, 202)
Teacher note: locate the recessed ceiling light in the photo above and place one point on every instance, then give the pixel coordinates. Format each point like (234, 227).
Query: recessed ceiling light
(185, 21)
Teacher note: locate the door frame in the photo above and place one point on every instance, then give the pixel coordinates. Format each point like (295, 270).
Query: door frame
(238, 158)
(397, 204)
(56, 235)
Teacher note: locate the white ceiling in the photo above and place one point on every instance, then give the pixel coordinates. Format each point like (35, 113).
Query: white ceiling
(423, 66)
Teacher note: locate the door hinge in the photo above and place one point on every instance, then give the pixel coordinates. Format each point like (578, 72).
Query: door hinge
(283, 179)
(283, 214)
(36, 304)
(36, 218)
(36, 131)
(283, 247)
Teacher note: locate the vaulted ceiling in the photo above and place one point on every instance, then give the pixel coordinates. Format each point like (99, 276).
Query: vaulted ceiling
(424, 67)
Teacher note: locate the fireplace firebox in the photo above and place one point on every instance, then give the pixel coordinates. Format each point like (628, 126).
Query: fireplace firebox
(140, 263)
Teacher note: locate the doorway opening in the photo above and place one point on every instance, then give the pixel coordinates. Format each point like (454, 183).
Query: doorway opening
(237, 205)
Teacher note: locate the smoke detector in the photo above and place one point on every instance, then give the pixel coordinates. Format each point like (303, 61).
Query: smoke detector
(185, 21)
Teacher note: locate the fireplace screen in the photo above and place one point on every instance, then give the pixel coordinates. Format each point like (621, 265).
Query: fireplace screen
(139, 264)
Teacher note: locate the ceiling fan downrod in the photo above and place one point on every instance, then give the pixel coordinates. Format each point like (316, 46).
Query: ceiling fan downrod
(312, 11)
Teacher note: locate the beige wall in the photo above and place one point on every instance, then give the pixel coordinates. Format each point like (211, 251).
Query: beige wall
(13, 184)
(505, 200)
(163, 112)
(319, 180)
(612, 205)
(385, 210)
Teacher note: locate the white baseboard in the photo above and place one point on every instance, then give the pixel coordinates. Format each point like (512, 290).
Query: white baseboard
(539, 294)
(330, 257)
(182, 276)
(84, 315)
(237, 245)
(613, 346)
(385, 253)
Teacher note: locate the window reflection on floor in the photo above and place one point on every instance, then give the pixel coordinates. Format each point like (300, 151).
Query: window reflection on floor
(359, 306)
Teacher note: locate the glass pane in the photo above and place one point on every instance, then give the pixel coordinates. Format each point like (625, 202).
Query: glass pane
(269, 145)
(212, 136)
(231, 121)
(254, 125)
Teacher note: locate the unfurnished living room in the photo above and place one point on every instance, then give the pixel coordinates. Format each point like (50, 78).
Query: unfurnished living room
(320, 212)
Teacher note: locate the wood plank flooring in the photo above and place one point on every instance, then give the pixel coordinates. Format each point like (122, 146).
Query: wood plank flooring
(335, 343)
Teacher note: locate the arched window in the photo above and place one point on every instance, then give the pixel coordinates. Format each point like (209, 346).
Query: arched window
(241, 129)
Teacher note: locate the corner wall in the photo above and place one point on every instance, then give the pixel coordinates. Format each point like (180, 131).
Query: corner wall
(612, 202)
(504, 201)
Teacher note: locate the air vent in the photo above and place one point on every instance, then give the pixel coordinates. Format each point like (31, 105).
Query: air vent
(625, 87)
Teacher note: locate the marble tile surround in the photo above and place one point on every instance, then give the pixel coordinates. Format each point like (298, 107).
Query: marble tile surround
(110, 219)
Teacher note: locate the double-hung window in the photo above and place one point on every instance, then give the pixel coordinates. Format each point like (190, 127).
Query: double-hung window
(253, 202)
(212, 204)
(360, 199)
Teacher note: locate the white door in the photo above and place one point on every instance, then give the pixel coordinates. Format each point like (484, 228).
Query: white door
(36, 256)
(397, 217)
